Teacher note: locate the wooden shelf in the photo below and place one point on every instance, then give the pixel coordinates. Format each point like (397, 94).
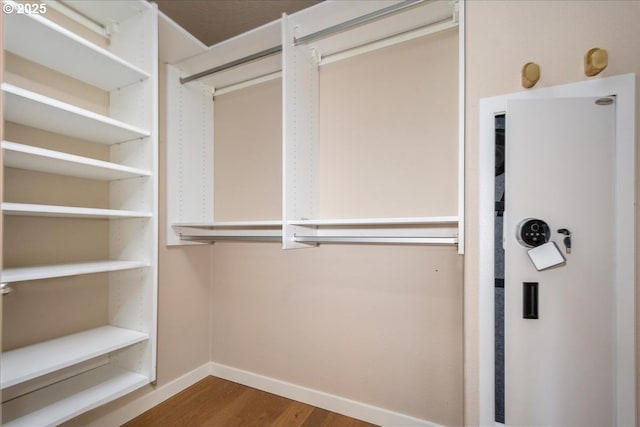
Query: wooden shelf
(35, 110)
(55, 404)
(25, 209)
(23, 156)
(55, 45)
(20, 274)
(26, 363)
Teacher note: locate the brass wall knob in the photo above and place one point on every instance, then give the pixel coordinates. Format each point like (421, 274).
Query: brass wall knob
(530, 75)
(595, 61)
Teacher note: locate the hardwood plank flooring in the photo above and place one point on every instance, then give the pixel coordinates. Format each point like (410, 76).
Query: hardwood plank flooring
(215, 402)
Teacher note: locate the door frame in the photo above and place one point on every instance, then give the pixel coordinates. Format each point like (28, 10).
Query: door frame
(623, 87)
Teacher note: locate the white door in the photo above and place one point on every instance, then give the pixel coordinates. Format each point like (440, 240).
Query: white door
(560, 367)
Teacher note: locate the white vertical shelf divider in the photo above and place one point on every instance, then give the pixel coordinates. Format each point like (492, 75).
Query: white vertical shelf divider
(300, 86)
(137, 41)
(189, 154)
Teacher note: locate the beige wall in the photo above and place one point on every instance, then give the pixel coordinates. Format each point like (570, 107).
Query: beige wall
(376, 324)
(248, 153)
(501, 37)
(388, 135)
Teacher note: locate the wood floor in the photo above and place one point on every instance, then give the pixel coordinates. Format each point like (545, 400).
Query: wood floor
(217, 402)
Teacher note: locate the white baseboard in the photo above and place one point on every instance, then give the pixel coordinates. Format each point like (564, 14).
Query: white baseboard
(132, 409)
(330, 402)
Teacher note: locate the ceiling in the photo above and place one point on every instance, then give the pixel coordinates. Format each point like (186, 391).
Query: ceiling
(212, 21)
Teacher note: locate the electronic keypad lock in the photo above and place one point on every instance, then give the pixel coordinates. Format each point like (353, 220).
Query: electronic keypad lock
(532, 232)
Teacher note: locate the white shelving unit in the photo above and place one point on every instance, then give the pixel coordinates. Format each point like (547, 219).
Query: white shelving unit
(50, 381)
(295, 48)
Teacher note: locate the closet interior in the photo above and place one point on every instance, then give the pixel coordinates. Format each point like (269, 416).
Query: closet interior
(296, 132)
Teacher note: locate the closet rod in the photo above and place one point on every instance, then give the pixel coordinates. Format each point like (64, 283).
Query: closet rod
(361, 20)
(195, 238)
(378, 239)
(232, 64)
(343, 26)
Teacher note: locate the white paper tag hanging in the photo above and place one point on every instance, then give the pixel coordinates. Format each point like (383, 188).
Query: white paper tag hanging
(546, 256)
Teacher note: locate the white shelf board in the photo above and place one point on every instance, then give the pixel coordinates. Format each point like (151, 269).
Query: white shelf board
(55, 404)
(231, 224)
(401, 240)
(378, 221)
(39, 272)
(26, 209)
(35, 110)
(23, 156)
(37, 39)
(26, 363)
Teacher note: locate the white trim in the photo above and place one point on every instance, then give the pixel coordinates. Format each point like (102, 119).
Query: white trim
(623, 87)
(330, 402)
(132, 409)
(461, 123)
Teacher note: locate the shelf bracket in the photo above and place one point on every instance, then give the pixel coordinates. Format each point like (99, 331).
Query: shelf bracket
(5, 289)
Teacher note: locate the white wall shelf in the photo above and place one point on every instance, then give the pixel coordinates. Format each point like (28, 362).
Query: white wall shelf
(35, 110)
(378, 240)
(28, 157)
(26, 363)
(270, 231)
(378, 221)
(25, 209)
(55, 404)
(439, 230)
(231, 224)
(56, 45)
(20, 274)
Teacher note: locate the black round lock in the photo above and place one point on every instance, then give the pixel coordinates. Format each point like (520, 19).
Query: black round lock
(532, 232)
